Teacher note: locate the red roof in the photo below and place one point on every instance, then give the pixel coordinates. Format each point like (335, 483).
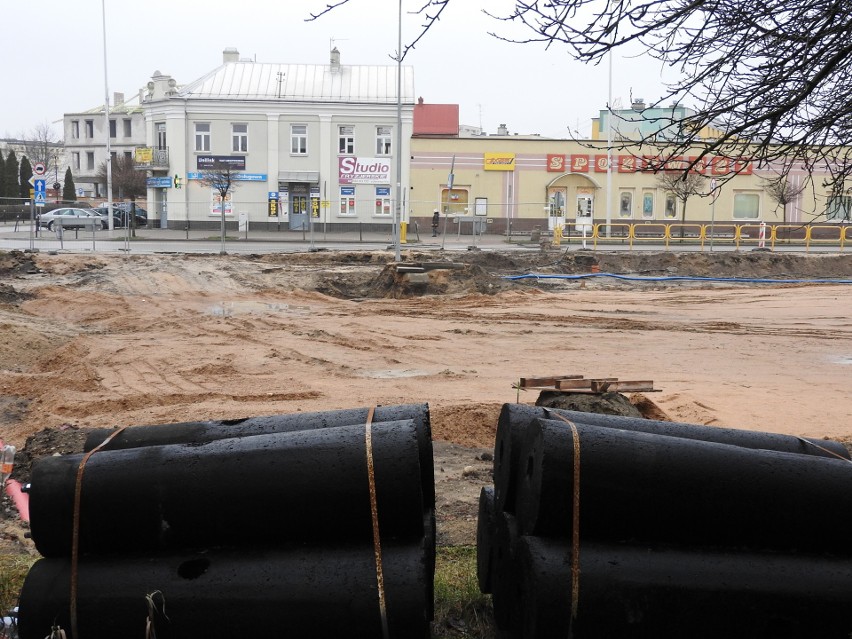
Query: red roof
(436, 119)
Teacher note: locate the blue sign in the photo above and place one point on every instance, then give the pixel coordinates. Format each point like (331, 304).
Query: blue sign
(383, 191)
(347, 190)
(40, 199)
(159, 182)
(40, 185)
(244, 177)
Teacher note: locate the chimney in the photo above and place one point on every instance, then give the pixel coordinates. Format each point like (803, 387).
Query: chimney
(117, 98)
(230, 55)
(502, 130)
(335, 59)
(638, 104)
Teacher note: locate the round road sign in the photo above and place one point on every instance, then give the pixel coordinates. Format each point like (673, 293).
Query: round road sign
(39, 168)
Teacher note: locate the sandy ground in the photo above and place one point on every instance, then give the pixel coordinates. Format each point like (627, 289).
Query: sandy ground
(93, 341)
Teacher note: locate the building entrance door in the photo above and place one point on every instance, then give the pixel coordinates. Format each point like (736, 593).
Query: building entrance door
(298, 212)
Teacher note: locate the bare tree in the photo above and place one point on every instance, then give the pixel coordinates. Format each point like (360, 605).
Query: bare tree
(782, 192)
(128, 180)
(221, 177)
(683, 186)
(43, 144)
(773, 76)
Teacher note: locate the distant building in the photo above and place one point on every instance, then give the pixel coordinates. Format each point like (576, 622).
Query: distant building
(299, 136)
(85, 140)
(641, 122)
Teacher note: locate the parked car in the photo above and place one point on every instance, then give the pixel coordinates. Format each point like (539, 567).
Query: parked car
(71, 218)
(121, 215)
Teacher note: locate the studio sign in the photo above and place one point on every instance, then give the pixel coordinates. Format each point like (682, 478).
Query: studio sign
(356, 170)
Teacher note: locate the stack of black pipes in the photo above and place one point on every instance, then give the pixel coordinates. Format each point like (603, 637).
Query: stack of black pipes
(600, 526)
(254, 527)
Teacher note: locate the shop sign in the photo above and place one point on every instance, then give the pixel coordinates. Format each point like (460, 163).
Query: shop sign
(499, 162)
(555, 163)
(358, 170)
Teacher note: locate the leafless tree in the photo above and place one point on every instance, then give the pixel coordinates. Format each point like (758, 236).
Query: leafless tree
(221, 177)
(129, 181)
(126, 178)
(683, 186)
(773, 76)
(43, 144)
(782, 192)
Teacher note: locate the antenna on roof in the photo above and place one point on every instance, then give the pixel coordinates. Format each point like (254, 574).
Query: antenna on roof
(280, 76)
(332, 40)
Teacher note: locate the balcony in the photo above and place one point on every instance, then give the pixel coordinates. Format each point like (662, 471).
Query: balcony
(148, 158)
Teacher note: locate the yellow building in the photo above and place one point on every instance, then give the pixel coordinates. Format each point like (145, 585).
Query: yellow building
(518, 183)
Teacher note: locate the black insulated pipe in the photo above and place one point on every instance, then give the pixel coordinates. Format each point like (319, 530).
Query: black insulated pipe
(639, 592)
(660, 489)
(308, 486)
(201, 432)
(301, 593)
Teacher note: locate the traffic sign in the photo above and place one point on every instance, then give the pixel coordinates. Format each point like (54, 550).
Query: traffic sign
(32, 180)
(40, 198)
(39, 168)
(40, 185)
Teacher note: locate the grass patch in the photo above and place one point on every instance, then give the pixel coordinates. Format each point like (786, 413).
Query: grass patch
(13, 569)
(460, 609)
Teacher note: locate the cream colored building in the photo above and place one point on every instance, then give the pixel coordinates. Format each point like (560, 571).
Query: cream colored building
(307, 141)
(528, 181)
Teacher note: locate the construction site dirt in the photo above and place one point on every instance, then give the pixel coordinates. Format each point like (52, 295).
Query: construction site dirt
(93, 341)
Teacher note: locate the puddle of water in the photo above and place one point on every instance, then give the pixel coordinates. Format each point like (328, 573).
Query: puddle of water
(228, 309)
(392, 373)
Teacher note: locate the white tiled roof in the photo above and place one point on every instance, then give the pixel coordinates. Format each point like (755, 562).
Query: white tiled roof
(302, 82)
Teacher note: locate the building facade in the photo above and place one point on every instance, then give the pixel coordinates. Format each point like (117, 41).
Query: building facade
(321, 143)
(86, 141)
(520, 182)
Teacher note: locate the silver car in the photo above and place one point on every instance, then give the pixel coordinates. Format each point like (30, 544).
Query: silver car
(72, 218)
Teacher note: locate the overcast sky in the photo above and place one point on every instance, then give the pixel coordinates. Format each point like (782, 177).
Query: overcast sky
(58, 61)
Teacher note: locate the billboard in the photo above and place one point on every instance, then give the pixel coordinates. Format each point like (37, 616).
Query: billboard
(357, 170)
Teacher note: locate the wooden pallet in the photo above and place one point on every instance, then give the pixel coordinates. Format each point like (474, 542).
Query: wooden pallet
(581, 384)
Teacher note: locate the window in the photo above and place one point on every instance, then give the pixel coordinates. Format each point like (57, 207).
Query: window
(90, 160)
(90, 129)
(298, 139)
(671, 206)
(113, 155)
(383, 201)
(75, 160)
(112, 128)
(383, 140)
(128, 127)
(746, 206)
(239, 138)
(75, 129)
(128, 156)
(161, 135)
(625, 204)
(648, 206)
(346, 140)
(202, 136)
(347, 201)
(839, 209)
